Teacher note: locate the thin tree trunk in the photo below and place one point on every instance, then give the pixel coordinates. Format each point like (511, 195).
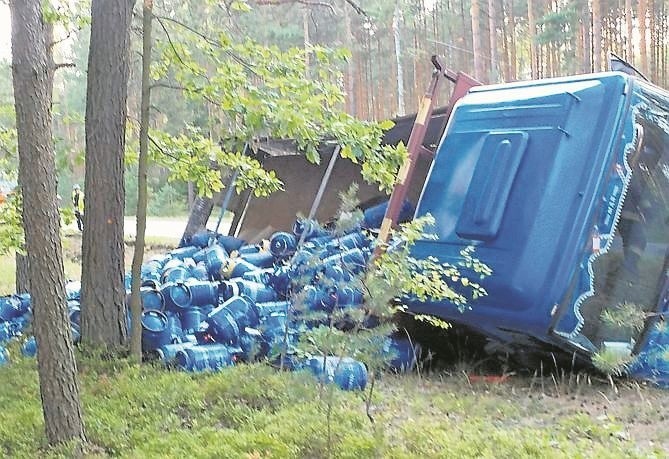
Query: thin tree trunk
(397, 17)
(32, 71)
(653, 41)
(596, 35)
(514, 61)
(643, 48)
(22, 274)
(138, 255)
(306, 40)
(477, 41)
(492, 25)
(587, 42)
(532, 32)
(351, 106)
(103, 315)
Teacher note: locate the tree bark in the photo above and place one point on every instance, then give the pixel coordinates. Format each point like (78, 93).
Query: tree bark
(643, 49)
(532, 32)
(32, 71)
(492, 25)
(351, 106)
(397, 18)
(630, 31)
(596, 35)
(477, 40)
(22, 274)
(138, 254)
(103, 317)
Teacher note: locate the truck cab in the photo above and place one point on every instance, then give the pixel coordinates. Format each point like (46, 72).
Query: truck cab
(562, 186)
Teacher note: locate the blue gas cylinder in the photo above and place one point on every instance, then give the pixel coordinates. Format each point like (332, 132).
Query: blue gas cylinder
(280, 280)
(261, 259)
(6, 332)
(76, 333)
(127, 281)
(29, 348)
(373, 216)
(355, 240)
(236, 267)
(262, 276)
(152, 298)
(168, 352)
(353, 260)
(271, 308)
(243, 311)
(253, 345)
(202, 292)
(74, 312)
(307, 229)
(282, 245)
(200, 272)
(211, 357)
(201, 238)
(177, 296)
(190, 319)
(254, 291)
(215, 259)
(222, 325)
(229, 243)
(338, 273)
(25, 300)
(176, 274)
(11, 308)
(312, 298)
(177, 334)
(155, 330)
(345, 372)
(73, 290)
(274, 330)
(184, 252)
(347, 296)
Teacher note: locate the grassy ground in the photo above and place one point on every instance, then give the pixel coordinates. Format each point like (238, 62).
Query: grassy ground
(253, 411)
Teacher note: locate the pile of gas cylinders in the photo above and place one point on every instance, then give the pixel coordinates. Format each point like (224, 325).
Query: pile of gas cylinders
(216, 301)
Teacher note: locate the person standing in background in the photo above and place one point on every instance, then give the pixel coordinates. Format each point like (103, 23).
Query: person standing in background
(78, 204)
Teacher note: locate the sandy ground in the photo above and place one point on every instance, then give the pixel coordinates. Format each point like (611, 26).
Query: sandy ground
(163, 227)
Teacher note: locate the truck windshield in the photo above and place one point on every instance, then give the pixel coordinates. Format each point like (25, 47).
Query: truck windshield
(630, 276)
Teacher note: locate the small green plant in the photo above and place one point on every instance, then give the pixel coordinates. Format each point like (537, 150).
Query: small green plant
(362, 330)
(612, 362)
(626, 316)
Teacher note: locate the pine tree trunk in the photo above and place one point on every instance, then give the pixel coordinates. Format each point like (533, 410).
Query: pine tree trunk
(492, 25)
(32, 70)
(351, 105)
(397, 17)
(587, 41)
(643, 48)
(138, 254)
(477, 40)
(22, 274)
(653, 41)
(532, 32)
(596, 36)
(512, 53)
(103, 315)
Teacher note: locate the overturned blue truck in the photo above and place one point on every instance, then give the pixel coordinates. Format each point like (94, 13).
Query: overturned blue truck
(562, 185)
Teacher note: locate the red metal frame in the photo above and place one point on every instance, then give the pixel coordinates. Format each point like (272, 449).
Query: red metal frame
(463, 83)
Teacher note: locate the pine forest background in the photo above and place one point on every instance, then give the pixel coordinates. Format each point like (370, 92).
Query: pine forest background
(387, 68)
